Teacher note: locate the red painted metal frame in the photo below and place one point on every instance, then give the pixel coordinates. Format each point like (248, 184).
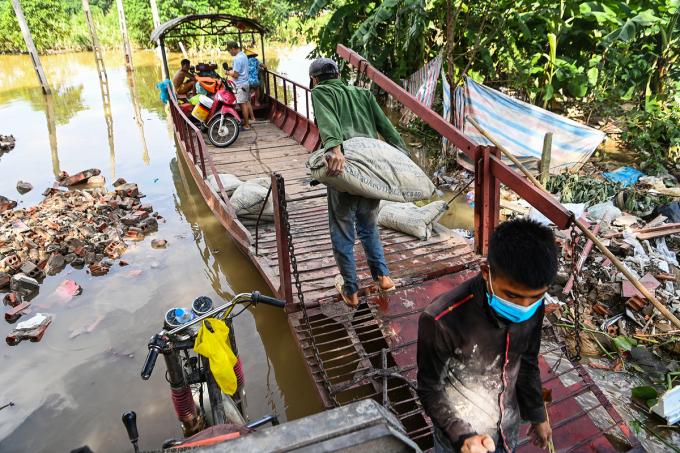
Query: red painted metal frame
(490, 172)
(289, 119)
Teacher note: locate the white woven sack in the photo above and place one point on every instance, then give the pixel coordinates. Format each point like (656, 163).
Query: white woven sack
(229, 182)
(409, 218)
(248, 199)
(374, 169)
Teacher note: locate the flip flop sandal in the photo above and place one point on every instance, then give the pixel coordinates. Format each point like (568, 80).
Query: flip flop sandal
(384, 291)
(339, 285)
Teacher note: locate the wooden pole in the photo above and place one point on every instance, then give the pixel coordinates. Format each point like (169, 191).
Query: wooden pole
(154, 14)
(605, 251)
(30, 45)
(545, 158)
(127, 50)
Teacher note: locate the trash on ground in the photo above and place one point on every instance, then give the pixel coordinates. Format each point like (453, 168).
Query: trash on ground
(668, 406)
(626, 176)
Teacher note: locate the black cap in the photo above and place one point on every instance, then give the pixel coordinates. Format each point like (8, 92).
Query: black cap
(322, 66)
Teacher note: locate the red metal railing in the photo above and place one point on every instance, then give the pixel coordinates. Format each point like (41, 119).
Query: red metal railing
(490, 172)
(288, 98)
(193, 144)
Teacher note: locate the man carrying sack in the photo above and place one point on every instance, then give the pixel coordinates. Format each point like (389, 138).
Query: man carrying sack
(343, 112)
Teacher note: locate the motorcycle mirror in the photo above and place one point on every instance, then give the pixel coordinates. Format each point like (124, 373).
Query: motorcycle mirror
(225, 66)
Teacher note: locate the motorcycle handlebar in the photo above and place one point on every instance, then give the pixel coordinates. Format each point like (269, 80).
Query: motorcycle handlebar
(156, 345)
(150, 362)
(256, 297)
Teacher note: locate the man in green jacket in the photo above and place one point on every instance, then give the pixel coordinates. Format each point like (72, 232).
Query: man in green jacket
(343, 112)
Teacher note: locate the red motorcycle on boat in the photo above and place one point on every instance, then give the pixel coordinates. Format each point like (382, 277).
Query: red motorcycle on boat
(217, 116)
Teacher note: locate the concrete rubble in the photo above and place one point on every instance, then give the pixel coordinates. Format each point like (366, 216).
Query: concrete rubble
(24, 187)
(7, 143)
(82, 226)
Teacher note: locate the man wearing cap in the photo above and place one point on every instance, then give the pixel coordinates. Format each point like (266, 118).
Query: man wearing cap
(239, 73)
(343, 112)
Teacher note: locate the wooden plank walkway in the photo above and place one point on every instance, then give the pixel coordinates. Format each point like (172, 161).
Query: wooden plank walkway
(268, 149)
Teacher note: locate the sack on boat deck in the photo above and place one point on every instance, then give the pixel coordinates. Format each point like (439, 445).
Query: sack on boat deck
(229, 182)
(248, 199)
(411, 219)
(374, 169)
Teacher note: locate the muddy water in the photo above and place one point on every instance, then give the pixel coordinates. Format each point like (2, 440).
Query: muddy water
(70, 392)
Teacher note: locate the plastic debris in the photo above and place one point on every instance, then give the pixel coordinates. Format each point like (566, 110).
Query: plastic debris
(626, 176)
(668, 406)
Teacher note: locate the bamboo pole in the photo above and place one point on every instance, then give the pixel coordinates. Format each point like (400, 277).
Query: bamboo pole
(127, 50)
(545, 158)
(30, 46)
(615, 261)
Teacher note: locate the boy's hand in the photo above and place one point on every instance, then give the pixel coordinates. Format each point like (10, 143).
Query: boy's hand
(478, 444)
(335, 160)
(540, 434)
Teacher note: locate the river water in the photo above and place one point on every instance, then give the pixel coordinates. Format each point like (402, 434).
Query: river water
(70, 392)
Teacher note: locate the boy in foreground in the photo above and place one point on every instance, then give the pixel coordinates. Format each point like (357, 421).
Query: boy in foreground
(478, 347)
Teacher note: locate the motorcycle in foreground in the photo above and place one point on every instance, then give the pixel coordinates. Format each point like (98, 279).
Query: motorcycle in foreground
(187, 370)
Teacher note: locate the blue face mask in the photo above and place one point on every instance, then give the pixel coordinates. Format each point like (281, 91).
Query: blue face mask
(509, 310)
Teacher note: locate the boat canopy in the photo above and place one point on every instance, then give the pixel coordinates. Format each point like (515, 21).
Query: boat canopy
(196, 25)
(207, 25)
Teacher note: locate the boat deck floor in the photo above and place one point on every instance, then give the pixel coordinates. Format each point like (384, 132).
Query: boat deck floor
(266, 149)
(370, 352)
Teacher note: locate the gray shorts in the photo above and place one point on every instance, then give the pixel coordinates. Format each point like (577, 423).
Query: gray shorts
(243, 94)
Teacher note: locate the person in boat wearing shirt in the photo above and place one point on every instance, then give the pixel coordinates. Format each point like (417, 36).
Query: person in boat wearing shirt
(239, 73)
(478, 347)
(343, 112)
(184, 80)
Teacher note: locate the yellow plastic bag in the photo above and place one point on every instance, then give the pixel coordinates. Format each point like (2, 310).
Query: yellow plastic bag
(215, 346)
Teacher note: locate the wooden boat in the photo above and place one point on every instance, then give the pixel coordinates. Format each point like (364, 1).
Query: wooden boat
(369, 352)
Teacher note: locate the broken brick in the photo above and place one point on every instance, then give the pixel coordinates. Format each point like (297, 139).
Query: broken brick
(636, 302)
(80, 177)
(32, 270)
(127, 190)
(600, 309)
(4, 279)
(97, 269)
(34, 334)
(11, 299)
(14, 313)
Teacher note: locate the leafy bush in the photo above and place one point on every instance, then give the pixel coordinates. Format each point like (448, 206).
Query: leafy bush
(654, 135)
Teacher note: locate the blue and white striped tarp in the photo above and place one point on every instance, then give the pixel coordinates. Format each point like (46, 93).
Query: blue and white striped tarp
(520, 127)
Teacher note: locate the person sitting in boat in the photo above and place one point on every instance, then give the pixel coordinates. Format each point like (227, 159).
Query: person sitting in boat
(254, 70)
(343, 112)
(478, 347)
(239, 73)
(184, 80)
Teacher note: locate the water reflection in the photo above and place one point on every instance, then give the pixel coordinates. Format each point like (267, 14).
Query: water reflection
(52, 132)
(71, 390)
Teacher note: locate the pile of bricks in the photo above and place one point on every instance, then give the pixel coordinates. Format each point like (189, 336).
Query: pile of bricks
(85, 227)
